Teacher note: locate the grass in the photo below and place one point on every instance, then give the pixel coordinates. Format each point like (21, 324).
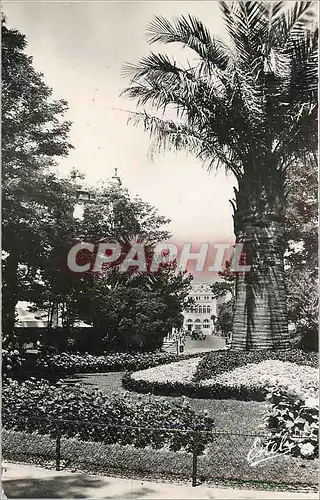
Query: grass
(224, 461)
(229, 415)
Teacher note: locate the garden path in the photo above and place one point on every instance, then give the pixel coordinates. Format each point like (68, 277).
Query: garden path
(27, 481)
(210, 343)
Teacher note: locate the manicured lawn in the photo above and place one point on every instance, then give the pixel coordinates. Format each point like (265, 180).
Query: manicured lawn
(230, 415)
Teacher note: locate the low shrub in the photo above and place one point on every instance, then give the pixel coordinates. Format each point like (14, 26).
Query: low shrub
(191, 389)
(12, 360)
(37, 406)
(67, 363)
(292, 422)
(217, 362)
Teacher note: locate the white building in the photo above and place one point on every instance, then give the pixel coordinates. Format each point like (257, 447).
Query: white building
(204, 311)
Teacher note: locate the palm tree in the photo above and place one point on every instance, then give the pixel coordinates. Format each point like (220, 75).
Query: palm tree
(250, 107)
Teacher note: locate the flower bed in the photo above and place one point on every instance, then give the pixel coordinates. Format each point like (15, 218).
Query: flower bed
(34, 406)
(181, 372)
(217, 362)
(67, 363)
(269, 375)
(250, 382)
(173, 379)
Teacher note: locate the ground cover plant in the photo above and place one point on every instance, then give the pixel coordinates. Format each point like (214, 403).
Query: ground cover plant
(268, 375)
(38, 406)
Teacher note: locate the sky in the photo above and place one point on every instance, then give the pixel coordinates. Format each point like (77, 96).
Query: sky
(81, 48)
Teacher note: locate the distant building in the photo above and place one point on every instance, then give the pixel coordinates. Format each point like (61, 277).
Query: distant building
(204, 312)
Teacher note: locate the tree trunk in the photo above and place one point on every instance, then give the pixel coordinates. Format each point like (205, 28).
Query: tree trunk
(260, 316)
(10, 293)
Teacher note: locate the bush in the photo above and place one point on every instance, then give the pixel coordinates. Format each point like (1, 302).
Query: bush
(192, 390)
(217, 362)
(292, 422)
(12, 360)
(35, 406)
(303, 307)
(67, 363)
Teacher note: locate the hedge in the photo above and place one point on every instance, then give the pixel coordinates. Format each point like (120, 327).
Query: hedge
(193, 390)
(217, 362)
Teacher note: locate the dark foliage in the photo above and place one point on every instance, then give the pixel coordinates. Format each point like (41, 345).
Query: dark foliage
(37, 406)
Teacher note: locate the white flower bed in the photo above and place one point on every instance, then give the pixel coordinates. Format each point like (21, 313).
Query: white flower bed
(181, 372)
(296, 379)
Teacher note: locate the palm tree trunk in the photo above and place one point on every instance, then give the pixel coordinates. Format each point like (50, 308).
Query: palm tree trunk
(260, 315)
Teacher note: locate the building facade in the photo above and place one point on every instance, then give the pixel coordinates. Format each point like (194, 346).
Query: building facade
(204, 311)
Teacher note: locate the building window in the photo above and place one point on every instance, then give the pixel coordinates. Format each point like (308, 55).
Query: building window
(200, 309)
(197, 324)
(208, 309)
(189, 320)
(206, 323)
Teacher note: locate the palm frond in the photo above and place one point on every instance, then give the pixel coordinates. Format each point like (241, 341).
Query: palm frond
(247, 24)
(152, 63)
(236, 107)
(303, 82)
(160, 85)
(171, 136)
(190, 31)
(292, 22)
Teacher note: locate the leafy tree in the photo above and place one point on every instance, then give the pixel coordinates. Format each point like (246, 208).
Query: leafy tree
(136, 314)
(301, 217)
(221, 290)
(251, 108)
(302, 257)
(33, 137)
(114, 215)
(225, 317)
